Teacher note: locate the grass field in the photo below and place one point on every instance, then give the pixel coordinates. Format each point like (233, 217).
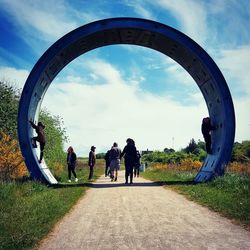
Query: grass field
(228, 195)
(28, 210)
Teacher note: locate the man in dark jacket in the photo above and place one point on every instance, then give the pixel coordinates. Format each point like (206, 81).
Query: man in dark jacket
(91, 162)
(129, 153)
(206, 129)
(40, 137)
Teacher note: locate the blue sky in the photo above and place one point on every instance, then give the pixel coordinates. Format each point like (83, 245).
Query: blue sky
(121, 91)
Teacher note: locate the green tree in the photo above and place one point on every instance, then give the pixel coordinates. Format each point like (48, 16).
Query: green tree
(241, 152)
(192, 146)
(100, 155)
(169, 150)
(9, 98)
(55, 137)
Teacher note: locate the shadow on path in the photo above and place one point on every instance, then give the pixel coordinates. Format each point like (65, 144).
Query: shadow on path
(112, 185)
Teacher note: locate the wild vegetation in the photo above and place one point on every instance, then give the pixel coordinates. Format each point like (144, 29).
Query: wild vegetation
(28, 209)
(228, 195)
(12, 165)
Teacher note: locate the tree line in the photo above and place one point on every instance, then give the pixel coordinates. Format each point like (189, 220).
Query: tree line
(196, 151)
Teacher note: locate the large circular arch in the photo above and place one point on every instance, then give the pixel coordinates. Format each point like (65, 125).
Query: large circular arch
(146, 33)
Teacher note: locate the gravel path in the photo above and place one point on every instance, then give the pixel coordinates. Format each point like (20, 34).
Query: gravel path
(144, 215)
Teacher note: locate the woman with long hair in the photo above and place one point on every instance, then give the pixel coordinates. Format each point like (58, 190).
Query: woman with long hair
(71, 161)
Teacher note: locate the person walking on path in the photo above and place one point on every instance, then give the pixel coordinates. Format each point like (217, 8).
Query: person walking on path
(137, 164)
(91, 162)
(206, 129)
(71, 161)
(107, 163)
(115, 161)
(39, 128)
(129, 153)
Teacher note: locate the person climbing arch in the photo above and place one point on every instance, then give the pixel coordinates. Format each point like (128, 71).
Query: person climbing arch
(206, 129)
(39, 128)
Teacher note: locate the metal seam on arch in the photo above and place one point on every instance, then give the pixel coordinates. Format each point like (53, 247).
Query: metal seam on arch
(144, 33)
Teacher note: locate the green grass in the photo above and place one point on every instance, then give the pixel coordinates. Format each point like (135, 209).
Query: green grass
(228, 195)
(29, 210)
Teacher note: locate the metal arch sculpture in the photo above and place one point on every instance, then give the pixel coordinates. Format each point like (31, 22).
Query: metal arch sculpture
(140, 32)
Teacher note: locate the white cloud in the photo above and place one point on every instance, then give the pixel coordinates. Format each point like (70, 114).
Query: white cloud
(242, 117)
(139, 8)
(235, 64)
(101, 114)
(51, 21)
(14, 76)
(190, 14)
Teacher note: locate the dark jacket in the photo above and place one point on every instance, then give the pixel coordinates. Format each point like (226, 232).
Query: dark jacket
(106, 157)
(114, 154)
(71, 159)
(206, 127)
(129, 153)
(92, 158)
(40, 131)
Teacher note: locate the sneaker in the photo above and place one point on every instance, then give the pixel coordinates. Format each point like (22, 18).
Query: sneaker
(76, 180)
(69, 180)
(115, 178)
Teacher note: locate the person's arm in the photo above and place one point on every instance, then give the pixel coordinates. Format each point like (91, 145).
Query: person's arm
(74, 158)
(33, 125)
(89, 163)
(123, 151)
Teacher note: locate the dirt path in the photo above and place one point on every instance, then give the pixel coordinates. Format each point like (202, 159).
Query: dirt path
(142, 216)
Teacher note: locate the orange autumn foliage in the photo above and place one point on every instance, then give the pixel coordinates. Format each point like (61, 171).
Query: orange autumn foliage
(239, 167)
(185, 165)
(12, 165)
(188, 165)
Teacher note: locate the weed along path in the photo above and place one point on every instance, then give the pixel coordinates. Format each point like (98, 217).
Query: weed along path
(143, 215)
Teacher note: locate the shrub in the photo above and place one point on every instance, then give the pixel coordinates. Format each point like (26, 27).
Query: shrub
(12, 165)
(239, 167)
(186, 165)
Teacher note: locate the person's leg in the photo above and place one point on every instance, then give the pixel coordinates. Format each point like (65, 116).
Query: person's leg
(112, 175)
(126, 173)
(90, 172)
(74, 172)
(131, 167)
(208, 143)
(33, 142)
(69, 172)
(116, 174)
(138, 171)
(106, 170)
(42, 145)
